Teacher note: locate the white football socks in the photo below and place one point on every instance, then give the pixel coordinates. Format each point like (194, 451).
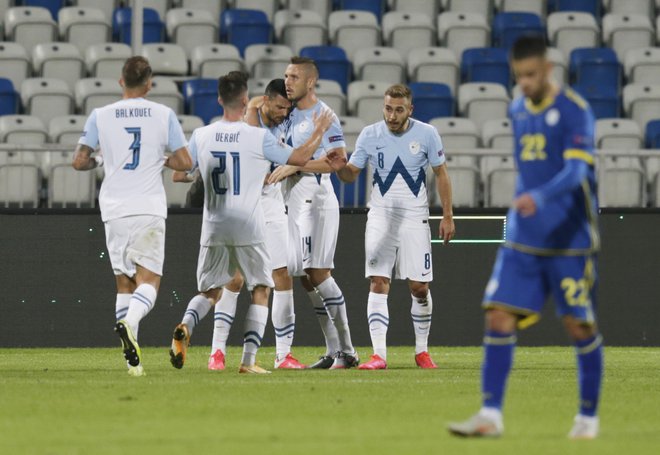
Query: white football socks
(255, 325)
(421, 311)
(284, 321)
(121, 305)
(225, 310)
(142, 302)
(334, 303)
(327, 327)
(378, 316)
(197, 309)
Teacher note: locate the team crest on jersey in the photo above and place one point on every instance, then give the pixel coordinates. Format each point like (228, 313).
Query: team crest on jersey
(552, 117)
(303, 126)
(373, 262)
(414, 147)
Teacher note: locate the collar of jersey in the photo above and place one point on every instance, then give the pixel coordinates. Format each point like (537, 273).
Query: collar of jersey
(542, 106)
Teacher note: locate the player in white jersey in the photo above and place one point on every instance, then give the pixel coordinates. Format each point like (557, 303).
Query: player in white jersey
(133, 135)
(234, 159)
(400, 150)
(313, 212)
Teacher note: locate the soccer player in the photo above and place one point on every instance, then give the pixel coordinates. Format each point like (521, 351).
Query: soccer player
(552, 240)
(133, 135)
(400, 150)
(234, 158)
(313, 212)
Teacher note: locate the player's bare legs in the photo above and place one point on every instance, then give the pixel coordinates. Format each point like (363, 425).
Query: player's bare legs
(224, 313)
(255, 325)
(327, 327)
(283, 317)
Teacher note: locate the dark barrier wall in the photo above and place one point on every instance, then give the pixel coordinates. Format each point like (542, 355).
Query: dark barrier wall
(57, 287)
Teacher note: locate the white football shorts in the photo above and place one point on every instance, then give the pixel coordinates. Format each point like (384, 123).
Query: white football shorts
(217, 265)
(135, 240)
(404, 243)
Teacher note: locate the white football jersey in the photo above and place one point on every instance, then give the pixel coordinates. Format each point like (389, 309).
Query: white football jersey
(133, 135)
(233, 159)
(273, 202)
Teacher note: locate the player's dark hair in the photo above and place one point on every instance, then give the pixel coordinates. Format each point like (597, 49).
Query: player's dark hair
(310, 65)
(274, 88)
(136, 72)
(399, 91)
(528, 46)
(232, 86)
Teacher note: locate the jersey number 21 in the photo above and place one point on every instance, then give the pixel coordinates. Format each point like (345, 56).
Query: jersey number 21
(219, 170)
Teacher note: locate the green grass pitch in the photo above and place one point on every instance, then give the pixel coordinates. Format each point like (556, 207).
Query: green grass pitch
(81, 401)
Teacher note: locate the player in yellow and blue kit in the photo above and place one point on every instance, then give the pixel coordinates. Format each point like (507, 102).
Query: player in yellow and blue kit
(551, 242)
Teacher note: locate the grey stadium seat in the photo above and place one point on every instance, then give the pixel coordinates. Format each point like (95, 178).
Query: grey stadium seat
(190, 28)
(30, 26)
(96, 92)
(14, 62)
(58, 61)
(106, 60)
(298, 29)
(84, 26)
(353, 30)
(46, 98)
(379, 64)
(214, 60)
(365, 100)
(405, 31)
(267, 61)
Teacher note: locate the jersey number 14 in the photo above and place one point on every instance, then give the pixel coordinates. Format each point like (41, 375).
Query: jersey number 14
(217, 174)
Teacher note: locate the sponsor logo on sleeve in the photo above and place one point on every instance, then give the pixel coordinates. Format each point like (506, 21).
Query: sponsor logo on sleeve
(337, 138)
(582, 141)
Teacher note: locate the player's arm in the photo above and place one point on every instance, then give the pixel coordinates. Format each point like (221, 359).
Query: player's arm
(301, 155)
(359, 158)
(182, 177)
(180, 160)
(349, 173)
(443, 186)
(251, 114)
(331, 162)
(89, 140)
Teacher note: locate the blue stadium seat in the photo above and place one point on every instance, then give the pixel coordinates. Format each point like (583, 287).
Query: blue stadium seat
(486, 64)
(652, 135)
(431, 100)
(351, 194)
(243, 27)
(8, 98)
(54, 6)
(201, 98)
(591, 66)
(377, 7)
(153, 29)
(509, 26)
(332, 62)
(585, 6)
(604, 101)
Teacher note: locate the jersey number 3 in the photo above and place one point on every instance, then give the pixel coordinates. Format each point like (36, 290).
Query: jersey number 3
(135, 148)
(217, 174)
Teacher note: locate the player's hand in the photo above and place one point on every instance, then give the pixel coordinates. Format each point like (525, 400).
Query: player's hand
(323, 120)
(336, 159)
(282, 172)
(525, 205)
(447, 229)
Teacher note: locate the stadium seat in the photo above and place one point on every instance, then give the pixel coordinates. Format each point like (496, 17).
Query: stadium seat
(643, 7)
(267, 61)
(243, 27)
(376, 7)
(604, 100)
(508, 27)
(257, 87)
(621, 182)
(96, 92)
(84, 27)
(165, 91)
(652, 134)
(332, 63)
(499, 176)
(160, 6)
(433, 64)
(190, 28)
(214, 60)
(497, 133)
(592, 7)
(53, 6)
(365, 100)
(352, 127)
(642, 65)
(620, 133)
(332, 94)
(107, 6)
(379, 64)
(152, 27)
(298, 29)
(560, 65)
(175, 192)
(267, 6)
(29, 26)
(460, 31)
(457, 133)
(106, 60)
(353, 30)
(190, 123)
(537, 7)
(46, 98)
(66, 129)
(483, 8)
(214, 8)
(627, 31)
(68, 187)
(14, 62)
(571, 30)
(486, 64)
(166, 59)
(641, 102)
(58, 61)
(322, 7)
(429, 9)
(201, 98)
(23, 129)
(591, 66)
(431, 100)
(19, 185)
(405, 31)
(481, 101)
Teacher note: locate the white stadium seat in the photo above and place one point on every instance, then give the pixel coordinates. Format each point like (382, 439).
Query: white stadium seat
(298, 29)
(382, 64)
(365, 100)
(96, 92)
(106, 60)
(267, 61)
(352, 30)
(14, 63)
(462, 30)
(191, 27)
(433, 64)
(568, 30)
(58, 61)
(214, 60)
(481, 101)
(46, 98)
(83, 27)
(405, 31)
